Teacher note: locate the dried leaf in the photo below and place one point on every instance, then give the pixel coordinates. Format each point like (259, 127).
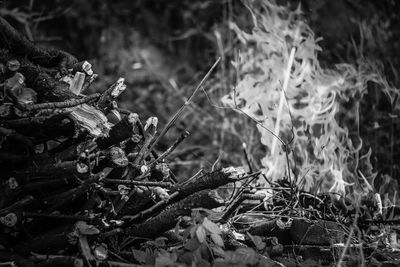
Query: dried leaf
(176, 228)
(218, 251)
(217, 239)
(201, 234)
(187, 258)
(165, 259)
(192, 244)
(211, 227)
(212, 215)
(245, 255)
(192, 231)
(257, 241)
(150, 257)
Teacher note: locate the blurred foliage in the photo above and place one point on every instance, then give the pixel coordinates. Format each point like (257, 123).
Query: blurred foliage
(164, 47)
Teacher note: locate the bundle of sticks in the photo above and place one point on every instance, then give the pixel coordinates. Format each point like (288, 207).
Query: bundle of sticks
(75, 168)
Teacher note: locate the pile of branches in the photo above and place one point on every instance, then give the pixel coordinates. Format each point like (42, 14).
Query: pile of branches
(76, 169)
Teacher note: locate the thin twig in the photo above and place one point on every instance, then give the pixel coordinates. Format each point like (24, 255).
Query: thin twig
(246, 156)
(347, 245)
(57, 216)
(150, 210)
(170, 149)
(137, 183)
(17, 205)
(53, 105)
(179, 112)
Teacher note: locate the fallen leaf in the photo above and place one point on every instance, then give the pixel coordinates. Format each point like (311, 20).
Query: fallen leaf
(211, 227)
(201, 234)
(257, 241)
(217, 239)
(192, 244)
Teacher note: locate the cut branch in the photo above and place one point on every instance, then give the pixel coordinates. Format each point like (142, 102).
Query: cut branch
(120, 131)
(168, 218)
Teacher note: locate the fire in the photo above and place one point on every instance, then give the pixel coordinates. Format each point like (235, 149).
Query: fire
(282, 86)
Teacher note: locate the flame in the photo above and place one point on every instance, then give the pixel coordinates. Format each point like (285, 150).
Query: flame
(298, 100)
